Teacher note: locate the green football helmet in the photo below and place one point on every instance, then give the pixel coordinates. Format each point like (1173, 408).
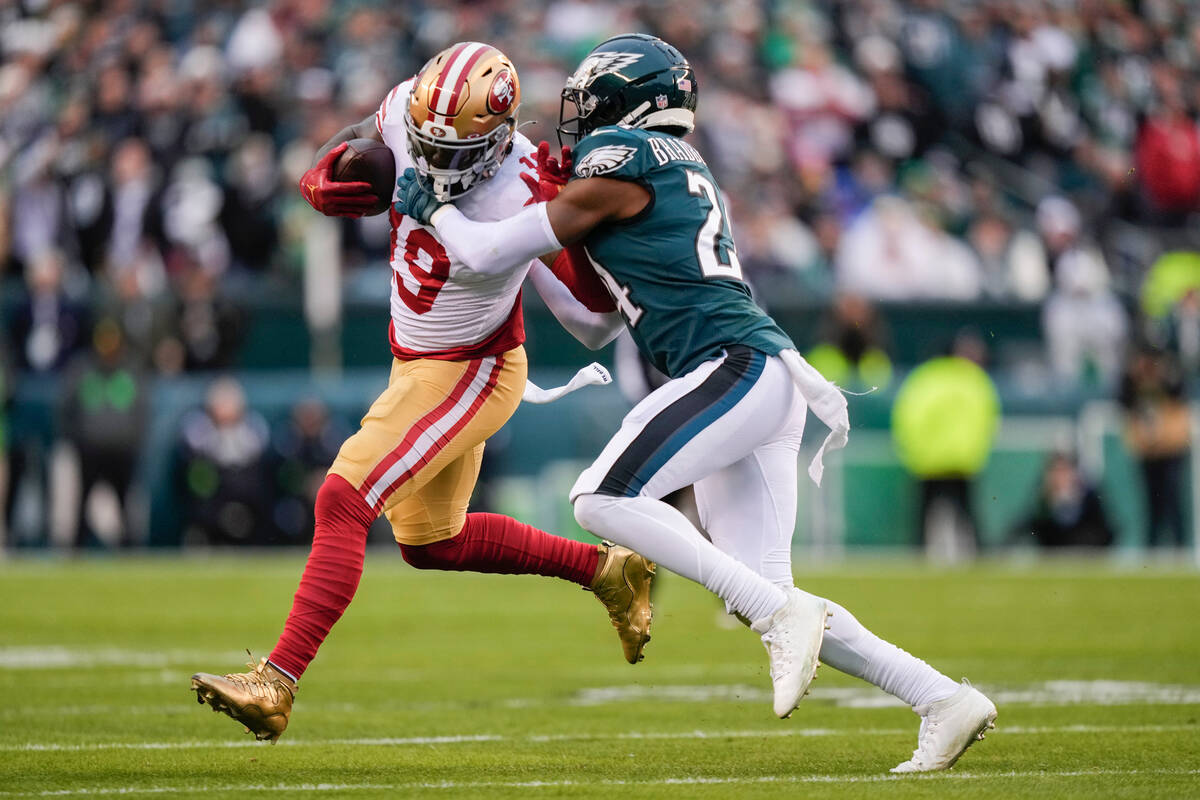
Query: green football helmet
(633, 80)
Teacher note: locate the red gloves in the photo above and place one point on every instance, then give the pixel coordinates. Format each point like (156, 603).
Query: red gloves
(333, 198)
(552, 174)
(571, 267)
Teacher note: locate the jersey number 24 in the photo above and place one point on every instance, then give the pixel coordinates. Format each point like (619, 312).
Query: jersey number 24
(714, 242)
(714, 250)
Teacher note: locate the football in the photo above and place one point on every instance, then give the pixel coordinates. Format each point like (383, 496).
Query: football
(370, 161)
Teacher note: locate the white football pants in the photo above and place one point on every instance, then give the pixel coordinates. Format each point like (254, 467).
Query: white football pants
(732, 428)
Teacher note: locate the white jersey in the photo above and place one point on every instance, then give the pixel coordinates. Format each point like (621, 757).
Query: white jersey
(440, 309)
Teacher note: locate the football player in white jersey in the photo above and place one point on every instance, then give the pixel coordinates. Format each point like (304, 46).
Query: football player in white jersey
(458, 374)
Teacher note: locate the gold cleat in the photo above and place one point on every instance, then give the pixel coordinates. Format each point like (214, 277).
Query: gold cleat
(623, 586)
(260, 699)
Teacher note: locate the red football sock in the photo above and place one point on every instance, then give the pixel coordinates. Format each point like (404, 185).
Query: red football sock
(495, 543)
(330, 577)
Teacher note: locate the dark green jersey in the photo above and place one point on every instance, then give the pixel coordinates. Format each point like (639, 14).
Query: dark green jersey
(673, 269)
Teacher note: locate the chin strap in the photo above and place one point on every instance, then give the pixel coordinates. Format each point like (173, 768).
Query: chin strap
(629, 119)
(826, 401)
(592, 374)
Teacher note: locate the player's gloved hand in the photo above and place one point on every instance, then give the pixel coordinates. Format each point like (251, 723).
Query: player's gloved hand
(552, 173)
(334, 198)
(413, 199)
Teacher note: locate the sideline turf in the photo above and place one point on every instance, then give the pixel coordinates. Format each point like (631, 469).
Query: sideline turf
(467, 686)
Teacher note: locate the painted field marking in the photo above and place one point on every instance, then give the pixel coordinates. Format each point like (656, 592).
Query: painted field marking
(1013, 730)
(1045, 693)
(64, 657)
(96, 709)
(552, 784)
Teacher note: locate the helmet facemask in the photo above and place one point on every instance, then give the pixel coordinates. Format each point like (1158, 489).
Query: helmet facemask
(572, 129)
(449, 167)
(632, 81)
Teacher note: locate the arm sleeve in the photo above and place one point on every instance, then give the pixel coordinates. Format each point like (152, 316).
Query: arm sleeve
(592, 329)
(572, 268)
(491, 248)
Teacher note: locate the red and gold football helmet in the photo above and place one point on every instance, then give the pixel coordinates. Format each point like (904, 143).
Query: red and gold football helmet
(461, 117)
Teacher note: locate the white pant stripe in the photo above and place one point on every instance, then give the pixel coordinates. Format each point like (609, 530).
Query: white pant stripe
(436, 430)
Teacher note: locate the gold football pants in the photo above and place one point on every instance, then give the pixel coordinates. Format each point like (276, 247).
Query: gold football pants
(416, 457)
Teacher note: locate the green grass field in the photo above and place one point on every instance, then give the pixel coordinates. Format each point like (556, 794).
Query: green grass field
(450, 685)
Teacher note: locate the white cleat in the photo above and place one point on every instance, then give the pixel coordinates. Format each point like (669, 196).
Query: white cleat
(792, 636)
(948, 728)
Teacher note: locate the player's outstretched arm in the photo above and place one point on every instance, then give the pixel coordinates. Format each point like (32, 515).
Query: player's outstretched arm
(495, 247)
(587, 203)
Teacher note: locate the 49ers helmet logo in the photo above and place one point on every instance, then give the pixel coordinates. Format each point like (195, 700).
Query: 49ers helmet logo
(500, 96)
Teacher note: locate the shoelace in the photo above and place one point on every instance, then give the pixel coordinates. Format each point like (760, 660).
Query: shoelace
(924, 738)
(256, 681)
(777, 642)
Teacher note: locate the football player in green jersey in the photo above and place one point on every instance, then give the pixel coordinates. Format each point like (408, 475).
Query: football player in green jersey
(653, 228)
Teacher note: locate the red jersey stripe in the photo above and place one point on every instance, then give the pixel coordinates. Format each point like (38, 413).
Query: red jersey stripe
(381, 114)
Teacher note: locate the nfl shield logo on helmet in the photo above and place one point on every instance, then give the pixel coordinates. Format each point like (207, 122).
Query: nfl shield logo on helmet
(661, 101)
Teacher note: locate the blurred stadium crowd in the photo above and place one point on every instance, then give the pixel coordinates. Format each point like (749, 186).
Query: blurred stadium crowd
(1013, 152)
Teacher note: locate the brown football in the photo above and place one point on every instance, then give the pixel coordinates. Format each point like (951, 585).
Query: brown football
(370, 161)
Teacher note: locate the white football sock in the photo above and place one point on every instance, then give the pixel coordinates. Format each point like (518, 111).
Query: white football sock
(283, 672)
(853, 649)
(662, 534)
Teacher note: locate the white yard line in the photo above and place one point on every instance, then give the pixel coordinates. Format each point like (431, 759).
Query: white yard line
(97, 709)
(552, 784)
(476, 738)
(1045, 693)
(65, 657)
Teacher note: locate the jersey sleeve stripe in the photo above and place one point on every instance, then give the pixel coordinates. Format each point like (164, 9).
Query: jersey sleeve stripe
(381, 114)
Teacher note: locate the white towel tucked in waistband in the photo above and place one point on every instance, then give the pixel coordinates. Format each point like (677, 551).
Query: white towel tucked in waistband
(591, 374)
(826, 401)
